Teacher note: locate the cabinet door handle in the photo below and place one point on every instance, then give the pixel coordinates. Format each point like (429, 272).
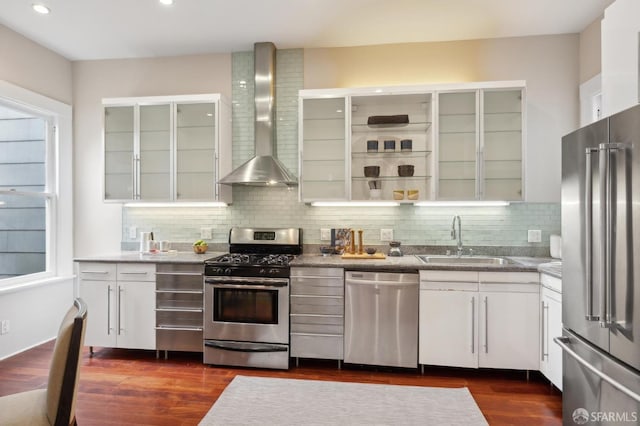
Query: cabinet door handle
(543, 336)
(96, 272)
(109, 310)
(486, 325)
(119, 310)
(133, 273)
(473, 324)
(588, 232)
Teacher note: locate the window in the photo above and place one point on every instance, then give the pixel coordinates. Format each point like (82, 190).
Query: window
(26, 203)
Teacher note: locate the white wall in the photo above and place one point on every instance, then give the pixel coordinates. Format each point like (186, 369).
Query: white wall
(98, 224)
(34, 312)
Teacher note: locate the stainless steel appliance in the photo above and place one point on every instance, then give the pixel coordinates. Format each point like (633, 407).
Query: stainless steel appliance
(246, 306)
(601, 271)
(381, 319)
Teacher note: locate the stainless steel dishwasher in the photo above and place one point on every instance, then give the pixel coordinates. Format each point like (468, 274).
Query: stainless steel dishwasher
(381, 318)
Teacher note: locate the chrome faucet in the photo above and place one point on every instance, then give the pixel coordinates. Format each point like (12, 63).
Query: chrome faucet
(457, 235)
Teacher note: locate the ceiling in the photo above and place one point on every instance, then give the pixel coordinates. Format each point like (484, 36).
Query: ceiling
(102, 29)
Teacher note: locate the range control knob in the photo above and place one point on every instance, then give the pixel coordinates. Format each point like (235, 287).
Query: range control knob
(273, 271)
(262, 271)
(227, 271)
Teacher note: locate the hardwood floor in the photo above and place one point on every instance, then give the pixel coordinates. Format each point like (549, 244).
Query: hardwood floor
(129, 387)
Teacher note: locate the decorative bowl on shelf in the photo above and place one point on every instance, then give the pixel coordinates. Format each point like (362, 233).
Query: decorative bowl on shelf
(371, 171)
(405, 170)
(371, 250)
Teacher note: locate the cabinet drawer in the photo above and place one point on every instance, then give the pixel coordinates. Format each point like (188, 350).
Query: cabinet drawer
(172, 300)
(97, 271)
(317, 305)
(179, 282)
(448, 285)
(464, 276)
(180, 268)
(319, 324)
(136, 272)
(174, 318)
(315, 346)
(317, 286)
(317, 272)
(509, 277)
(176, 339)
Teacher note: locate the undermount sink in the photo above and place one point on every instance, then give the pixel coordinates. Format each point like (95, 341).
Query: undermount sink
(463, 260)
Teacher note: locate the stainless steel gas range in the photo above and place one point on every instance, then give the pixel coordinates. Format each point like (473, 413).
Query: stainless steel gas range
(246, 306)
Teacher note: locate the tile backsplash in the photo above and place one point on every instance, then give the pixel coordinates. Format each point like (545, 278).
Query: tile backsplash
(279, 207)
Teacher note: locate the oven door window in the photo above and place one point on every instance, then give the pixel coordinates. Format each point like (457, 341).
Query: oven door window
(245, 306)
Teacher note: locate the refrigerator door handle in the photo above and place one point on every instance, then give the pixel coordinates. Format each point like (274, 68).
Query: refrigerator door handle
(563, 342)
(607, 215)
(588, 232)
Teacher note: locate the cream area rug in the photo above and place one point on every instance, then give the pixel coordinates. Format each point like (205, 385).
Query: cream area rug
(268, 401)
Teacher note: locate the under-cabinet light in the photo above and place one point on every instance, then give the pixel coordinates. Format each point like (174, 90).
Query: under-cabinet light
(462, 203)
(166, 2)
(355, 204)
(40, 8)
(192, 204)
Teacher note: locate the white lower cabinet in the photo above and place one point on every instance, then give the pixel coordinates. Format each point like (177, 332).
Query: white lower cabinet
(551, 323)
(479, 319)
(120, 304)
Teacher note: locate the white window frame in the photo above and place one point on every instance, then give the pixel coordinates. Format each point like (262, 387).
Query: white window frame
(58, 188)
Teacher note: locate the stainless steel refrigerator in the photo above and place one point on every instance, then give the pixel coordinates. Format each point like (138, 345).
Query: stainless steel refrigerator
(601, 272)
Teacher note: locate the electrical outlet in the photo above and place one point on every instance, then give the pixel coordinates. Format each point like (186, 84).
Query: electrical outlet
(534, 235)
(386, 235)
(205, 233)
(133, 232)
(325, 234)
(5, 327)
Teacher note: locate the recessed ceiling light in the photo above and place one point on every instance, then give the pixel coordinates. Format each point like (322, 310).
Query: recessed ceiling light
(40, 8)
(166, 2)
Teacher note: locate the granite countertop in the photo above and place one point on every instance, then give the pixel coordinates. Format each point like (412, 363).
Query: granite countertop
(408, 263)
(553, 268)
(134, 256)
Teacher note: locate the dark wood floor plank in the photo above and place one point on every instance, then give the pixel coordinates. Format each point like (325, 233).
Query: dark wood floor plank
(133, 387)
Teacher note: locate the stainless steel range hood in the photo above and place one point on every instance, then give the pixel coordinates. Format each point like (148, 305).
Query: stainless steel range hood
(264, 168)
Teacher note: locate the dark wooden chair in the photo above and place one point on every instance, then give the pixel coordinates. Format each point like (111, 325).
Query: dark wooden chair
(54, 405)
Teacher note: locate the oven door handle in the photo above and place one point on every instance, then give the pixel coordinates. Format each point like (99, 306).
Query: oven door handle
(245, 346)
(259, 284)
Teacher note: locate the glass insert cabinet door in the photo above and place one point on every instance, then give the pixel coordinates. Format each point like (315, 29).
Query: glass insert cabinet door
(457, 145)
(323, 149)
(155, 152)
(502, 124)
(195, 151)
(120, 166)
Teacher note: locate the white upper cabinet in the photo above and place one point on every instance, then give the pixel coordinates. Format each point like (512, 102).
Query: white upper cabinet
(480, 144)
(620, 56)
(391, 146)
(167, 148)
(413, 143)
(323, 149)
(364, 144)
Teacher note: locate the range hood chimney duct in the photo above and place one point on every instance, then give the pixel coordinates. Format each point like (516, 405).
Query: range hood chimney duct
(264, 168)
